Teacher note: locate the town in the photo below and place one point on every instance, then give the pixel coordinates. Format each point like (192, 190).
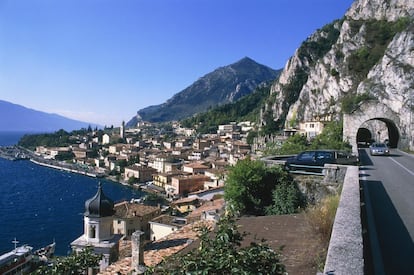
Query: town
(185, 170)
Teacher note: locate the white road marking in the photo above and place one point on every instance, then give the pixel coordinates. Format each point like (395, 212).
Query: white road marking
(364, 177)
(402, 166)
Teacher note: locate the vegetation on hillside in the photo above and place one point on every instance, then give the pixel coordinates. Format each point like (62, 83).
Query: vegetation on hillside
(378, 34)
(244, 109)
(76, 263)
(59, 138)
(313, 49)
(330, 138)
(350, 102)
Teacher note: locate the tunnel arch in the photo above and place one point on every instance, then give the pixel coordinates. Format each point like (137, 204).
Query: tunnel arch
(385, 131)
(371, 111)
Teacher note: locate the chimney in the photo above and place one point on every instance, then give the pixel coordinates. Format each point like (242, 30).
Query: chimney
(137, 243)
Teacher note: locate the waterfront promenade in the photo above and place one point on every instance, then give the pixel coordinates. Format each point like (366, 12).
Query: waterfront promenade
(14, 153)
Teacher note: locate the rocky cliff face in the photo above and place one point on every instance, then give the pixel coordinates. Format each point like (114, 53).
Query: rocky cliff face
(369, 54)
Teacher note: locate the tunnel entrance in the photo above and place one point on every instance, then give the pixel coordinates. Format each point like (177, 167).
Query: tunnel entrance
(364, 137)
(375, 119)
(378, 130)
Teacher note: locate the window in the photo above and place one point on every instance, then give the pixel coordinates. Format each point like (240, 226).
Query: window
(306, 156)
(92, 231)
(325, 155)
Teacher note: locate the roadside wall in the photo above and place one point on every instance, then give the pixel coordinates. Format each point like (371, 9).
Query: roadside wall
(345, 252)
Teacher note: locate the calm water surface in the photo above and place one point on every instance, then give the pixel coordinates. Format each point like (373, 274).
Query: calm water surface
(39, 204)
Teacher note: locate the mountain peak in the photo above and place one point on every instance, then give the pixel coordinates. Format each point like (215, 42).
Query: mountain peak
(223, 85)
(246, 60)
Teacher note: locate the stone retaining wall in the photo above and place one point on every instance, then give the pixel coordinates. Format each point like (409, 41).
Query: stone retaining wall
(345, 252)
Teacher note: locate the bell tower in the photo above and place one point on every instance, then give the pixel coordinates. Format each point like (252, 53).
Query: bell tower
(98, 229)
(98, 217)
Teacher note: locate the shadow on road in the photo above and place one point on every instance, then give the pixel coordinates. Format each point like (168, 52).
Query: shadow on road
(393, 239)
(364, 158)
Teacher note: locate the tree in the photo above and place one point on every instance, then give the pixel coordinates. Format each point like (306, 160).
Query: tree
(132, 180)
(77, 263)
(251, 136)
(122, 163)
(293, 145)
(222, 254)
(330, 138)
(249, 186)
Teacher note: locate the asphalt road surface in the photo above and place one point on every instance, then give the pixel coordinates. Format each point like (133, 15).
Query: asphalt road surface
(388, 212)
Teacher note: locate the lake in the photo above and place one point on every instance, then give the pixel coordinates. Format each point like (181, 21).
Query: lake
(39, 204)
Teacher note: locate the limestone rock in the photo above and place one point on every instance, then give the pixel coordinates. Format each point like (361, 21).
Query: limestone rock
(372, 55)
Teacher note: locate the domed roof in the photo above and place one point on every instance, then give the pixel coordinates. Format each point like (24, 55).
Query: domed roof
(99, 205)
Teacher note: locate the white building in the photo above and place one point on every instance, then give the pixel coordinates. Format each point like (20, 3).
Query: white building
(98, 229)
(165, 225)
(105, 139)
(311, 128)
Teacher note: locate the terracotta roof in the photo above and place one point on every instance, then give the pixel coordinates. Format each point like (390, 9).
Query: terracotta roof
(128, 210)
(156, 251)
(208, 206)
(170, 220)
(196, 165)
(185, 200)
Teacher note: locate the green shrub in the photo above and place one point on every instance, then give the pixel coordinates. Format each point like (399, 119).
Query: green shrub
(350, 102)
(334, 72)
(287, 199)
(249, 186)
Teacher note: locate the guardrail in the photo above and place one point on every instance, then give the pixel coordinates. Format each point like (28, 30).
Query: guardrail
(304, 169)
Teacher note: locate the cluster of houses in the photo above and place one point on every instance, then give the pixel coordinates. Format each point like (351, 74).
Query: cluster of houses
(176, 162)
(188, 169)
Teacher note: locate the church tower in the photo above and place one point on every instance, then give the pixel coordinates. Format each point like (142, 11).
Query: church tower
(98, 217)
(122, 130)
(98, 229)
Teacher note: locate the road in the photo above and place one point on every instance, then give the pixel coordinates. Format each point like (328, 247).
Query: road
(388, 212)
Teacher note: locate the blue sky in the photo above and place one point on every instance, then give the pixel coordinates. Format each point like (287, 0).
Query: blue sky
(102, 60)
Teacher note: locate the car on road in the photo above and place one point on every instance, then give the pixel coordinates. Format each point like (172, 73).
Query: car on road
(307, 159)
(379, 149)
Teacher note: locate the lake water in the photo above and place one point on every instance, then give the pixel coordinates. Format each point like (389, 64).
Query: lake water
(39, 204)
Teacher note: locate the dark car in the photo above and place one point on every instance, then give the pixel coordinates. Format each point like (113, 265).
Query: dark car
(307, 159)
(379, 149)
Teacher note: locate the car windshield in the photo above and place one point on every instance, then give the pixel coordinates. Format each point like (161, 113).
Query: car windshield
(379, 145)
(324, 155)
